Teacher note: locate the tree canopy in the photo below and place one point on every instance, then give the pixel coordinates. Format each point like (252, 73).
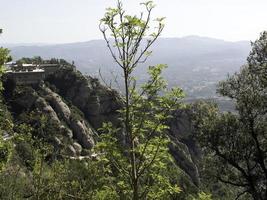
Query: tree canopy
(236, 142)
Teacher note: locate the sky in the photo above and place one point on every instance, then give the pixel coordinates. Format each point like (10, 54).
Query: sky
(67, 21)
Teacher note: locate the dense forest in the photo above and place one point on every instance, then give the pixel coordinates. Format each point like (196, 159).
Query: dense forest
(71, 136)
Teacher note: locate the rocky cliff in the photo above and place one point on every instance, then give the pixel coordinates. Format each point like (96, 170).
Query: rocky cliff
(77, 105)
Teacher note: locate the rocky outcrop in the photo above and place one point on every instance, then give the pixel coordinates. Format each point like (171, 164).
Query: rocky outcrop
(71, 151)
(78, 148)
(68, 127)
(181, 128)
(82, 132)
(182, 156)
(66, 131)
(183, 147)
(98, 103)
(55, 100)
(47, 109)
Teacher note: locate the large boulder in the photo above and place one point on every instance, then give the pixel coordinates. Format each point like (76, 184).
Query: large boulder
(59, 105)
(42, 105)
(83, 134)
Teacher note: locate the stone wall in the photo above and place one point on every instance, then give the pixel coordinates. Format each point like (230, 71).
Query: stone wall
(49, 68)
(30, 77)
(32, 74)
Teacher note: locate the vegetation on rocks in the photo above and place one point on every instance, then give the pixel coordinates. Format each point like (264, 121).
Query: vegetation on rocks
(72, 137)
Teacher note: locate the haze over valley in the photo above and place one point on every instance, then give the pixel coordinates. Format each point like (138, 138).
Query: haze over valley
(195, 63)
(133, 100)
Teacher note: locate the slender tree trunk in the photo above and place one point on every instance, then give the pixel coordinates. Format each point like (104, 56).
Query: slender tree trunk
(40, 178)
(130, 138)
(135, 190)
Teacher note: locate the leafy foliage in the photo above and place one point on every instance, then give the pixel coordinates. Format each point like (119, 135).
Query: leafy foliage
(4, 57)
(236, 142)
(138, 159)
(5, 124)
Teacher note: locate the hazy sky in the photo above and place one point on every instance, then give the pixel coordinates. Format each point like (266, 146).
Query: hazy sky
(61, 21)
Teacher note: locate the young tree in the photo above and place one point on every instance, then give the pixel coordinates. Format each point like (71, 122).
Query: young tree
(140, 160)
(239, 140)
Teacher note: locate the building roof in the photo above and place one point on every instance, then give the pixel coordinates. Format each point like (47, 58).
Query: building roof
(48, 65)
(33, 71)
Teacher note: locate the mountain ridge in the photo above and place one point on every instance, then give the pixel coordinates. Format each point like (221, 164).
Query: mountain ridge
(86, 41)
(195, 63)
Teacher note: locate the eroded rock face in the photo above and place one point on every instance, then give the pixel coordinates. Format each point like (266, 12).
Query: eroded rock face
(67, 125)
(98, 103)
(66, 131)
(183, 147)
(71, 151)
(182, 128)
(57, 103)
(83, 134)
(80, 129)
(47, 109)
(77, 147)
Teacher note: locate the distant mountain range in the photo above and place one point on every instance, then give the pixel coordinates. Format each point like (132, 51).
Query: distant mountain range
(195, 63)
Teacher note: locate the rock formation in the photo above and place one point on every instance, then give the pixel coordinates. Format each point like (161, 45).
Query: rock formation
(78, 105)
